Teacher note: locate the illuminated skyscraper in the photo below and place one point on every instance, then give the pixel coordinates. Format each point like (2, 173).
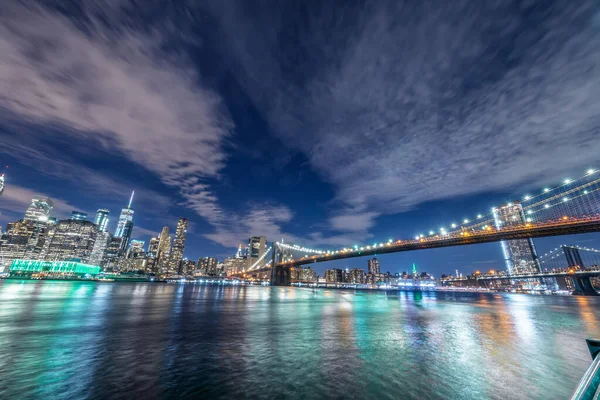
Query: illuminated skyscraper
(153, 247)
(178, 246)
(519, 255)
(99, 249)
(207, 266)
(373, 266)
(125, 217)
(1, 184)
(164, 248)
(102, 219)
(39, 209)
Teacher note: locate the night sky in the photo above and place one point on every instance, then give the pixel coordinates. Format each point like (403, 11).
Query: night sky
(326, 123)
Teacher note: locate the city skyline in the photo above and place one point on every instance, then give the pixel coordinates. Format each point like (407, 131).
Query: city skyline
(239, 159)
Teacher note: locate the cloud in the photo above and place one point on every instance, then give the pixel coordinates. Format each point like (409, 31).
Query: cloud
(353, 221)
(16, 199)
(112, 90)
(398, 104)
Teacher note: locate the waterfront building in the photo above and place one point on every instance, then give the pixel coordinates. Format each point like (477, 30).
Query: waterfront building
(14, 241)
(257, 245)
(102, 219)
(71, 239)
(188, 267)
(52, 269)
(234, 265)
(374, 266)
(357, 275)
(308, 274)
(39, 209)
(334, 275)
(207, 266)
(520, 255)
(176, 258)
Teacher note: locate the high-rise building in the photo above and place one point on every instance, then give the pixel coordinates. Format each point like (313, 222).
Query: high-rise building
(334, 275)
(39, 209)
(136, 248)
(14, 241)
(373, 266)
(127, 231)
(519, 255)
(234, 265)
(207, 266)
(1, 184)
(164, 246)
(153, 247)
(113, 253)
(71, 239)
(102, 219)
(125, 217)
(257, 245)
(188, 266)
(99, 249)
(308, 275)
(79, 215)
(178, 246)
(357, 275)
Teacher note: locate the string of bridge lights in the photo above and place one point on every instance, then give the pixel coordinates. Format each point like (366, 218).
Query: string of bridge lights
(260, 258)
(481, 220)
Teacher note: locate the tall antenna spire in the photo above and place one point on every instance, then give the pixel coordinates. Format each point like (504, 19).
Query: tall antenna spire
(131, 199)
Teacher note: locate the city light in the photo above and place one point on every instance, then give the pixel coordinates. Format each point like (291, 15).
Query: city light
(567, 181)
(527, 197)
(466, 221)
(546, 190)
(591, 171)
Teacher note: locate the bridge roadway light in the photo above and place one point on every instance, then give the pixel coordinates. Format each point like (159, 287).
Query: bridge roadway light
(466, 221)
(590, 171)
(527, 197)
(453, 225)
(567, 181)
(479, 216)
(546, 205)
(546, 190)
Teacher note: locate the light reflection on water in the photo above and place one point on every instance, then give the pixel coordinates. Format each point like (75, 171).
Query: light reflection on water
(66, 340)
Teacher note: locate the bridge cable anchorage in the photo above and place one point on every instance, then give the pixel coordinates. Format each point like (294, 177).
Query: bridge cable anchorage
(260, 259)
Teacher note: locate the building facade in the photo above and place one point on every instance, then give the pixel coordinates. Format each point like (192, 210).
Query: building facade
(257, 245)
(71, 239)
(39, 209)
(176, 258)
(101, 219)
(373, 266)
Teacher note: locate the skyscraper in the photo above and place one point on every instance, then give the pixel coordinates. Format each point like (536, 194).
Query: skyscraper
(99, 249)
(39, 209)
(125, 217)
(373, 266)
(257, 246)
(519, 255)
(207, 266)
(1, 184)
(102, 219)
(164, 247)
(153, 247)
(178, 245)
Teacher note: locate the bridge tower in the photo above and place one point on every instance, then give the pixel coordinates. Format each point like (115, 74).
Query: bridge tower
(280, 274)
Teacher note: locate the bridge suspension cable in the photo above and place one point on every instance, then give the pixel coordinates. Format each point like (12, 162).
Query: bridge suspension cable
(260, 259)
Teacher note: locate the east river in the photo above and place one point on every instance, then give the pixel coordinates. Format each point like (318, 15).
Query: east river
(80, 340)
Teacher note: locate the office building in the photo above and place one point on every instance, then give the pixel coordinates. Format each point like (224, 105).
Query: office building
(71, 239)
(13, 242)
(1, 184)
(307, 274)
(99, 249)
(357, 276)
(113, 254)
(188, 267)
(257, 245)
(39, 209)
(234, 265)
(334, 275)
(164, 246)
(79, 216)
(207, 266)
(373, 266)
(102, 219)
(153, 247)
(519, 255)
(176, 257)
(136, 248)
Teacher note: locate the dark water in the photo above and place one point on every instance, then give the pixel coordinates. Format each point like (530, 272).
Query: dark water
(76, 340)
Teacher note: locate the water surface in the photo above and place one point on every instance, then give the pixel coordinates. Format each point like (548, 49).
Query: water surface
(85, 340)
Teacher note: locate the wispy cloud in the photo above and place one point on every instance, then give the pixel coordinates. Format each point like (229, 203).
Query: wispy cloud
(399, 104)
(114, 90)
(16, 199)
